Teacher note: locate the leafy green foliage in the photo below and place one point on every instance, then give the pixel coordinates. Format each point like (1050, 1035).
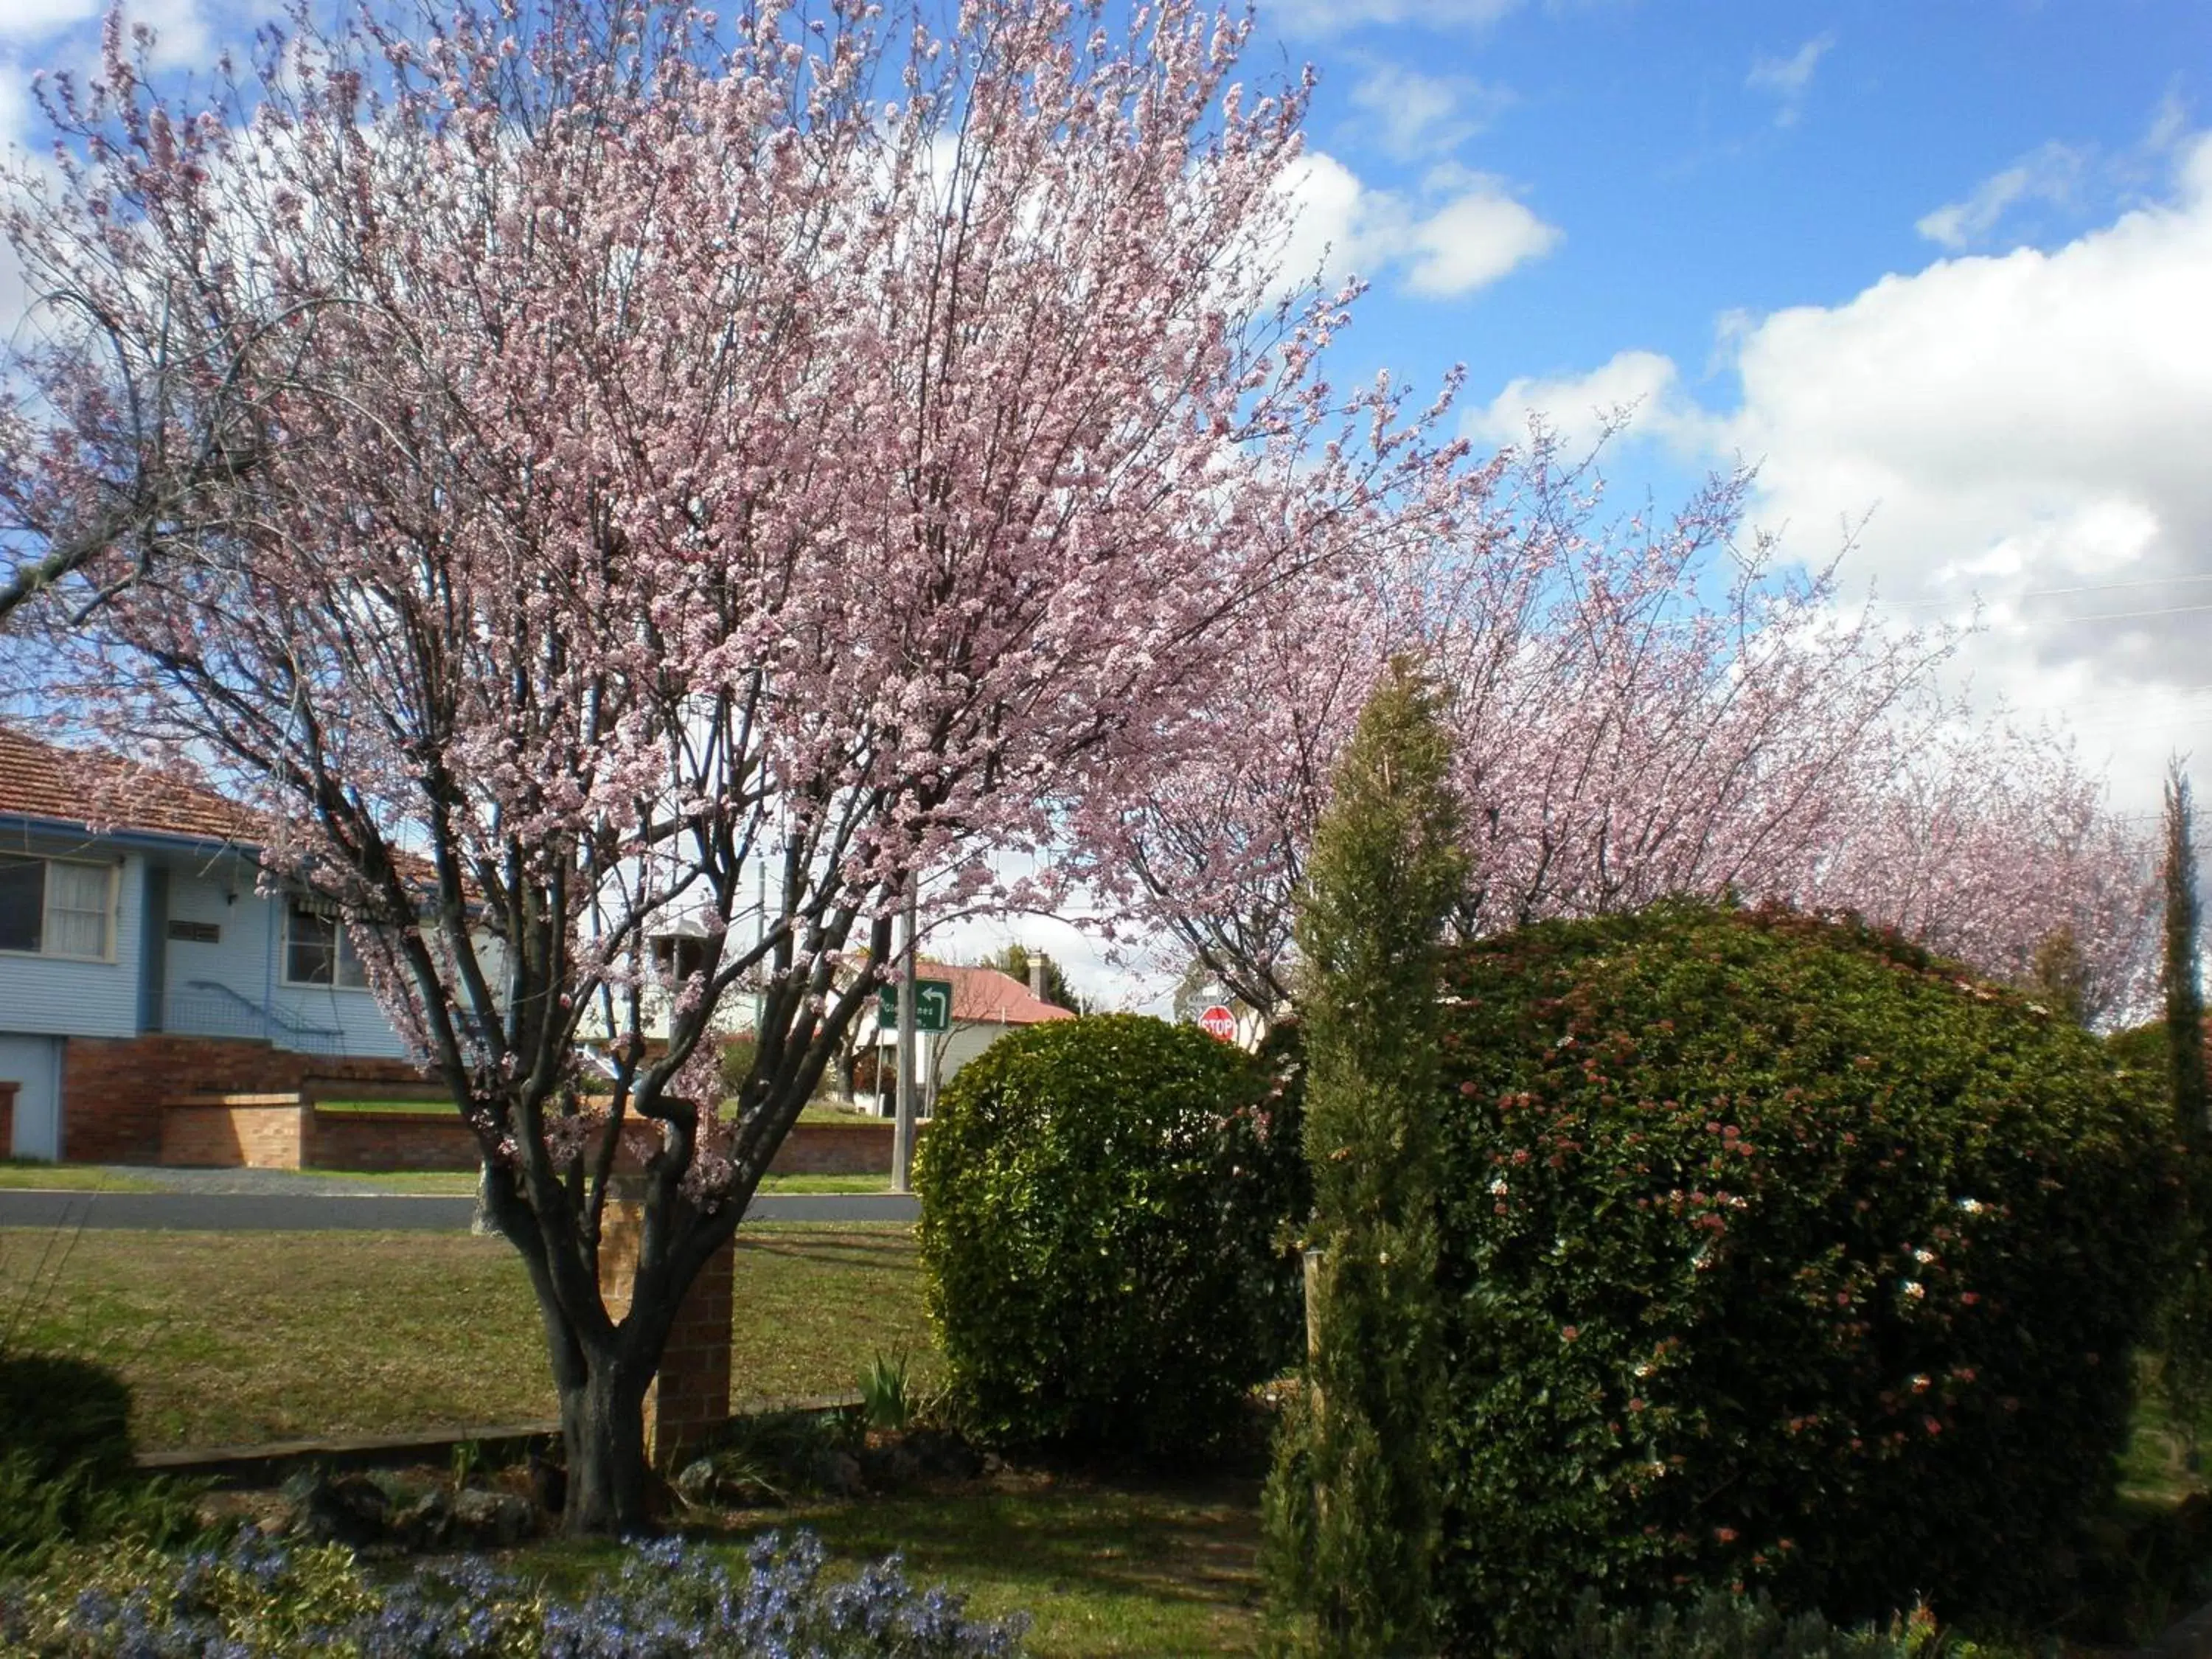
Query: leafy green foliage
(2184, 1321)
(886, 1399)
(1014, 962)
(1780, 1253)
(1352, 1510)
(66, 1471)
(1099, 1203)
(2184, 993)
(1719, 1625)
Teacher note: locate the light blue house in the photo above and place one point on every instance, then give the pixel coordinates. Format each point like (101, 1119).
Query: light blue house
(138, 960)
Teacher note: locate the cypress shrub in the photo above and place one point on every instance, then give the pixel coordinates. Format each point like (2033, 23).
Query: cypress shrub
(1100, 1204)
(1352, 1510)
(1779, 1254)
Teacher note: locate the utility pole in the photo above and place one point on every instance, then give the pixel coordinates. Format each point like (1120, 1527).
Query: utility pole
(903, 1125)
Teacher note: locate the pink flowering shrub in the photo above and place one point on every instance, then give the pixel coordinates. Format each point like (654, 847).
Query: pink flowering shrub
(1780, 1253)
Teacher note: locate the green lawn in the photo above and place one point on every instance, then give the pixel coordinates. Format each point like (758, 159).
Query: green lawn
(22, 1174)
(1102, 1568)
(403, 1108)
(235, 1339)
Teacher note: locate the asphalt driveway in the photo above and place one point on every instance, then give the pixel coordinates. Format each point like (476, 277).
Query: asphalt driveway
(340, 1209)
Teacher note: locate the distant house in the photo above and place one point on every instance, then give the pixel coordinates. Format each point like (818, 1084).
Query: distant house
(986, 1006)
(137, 962)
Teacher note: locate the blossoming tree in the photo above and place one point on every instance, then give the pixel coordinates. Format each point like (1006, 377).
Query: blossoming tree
(1640, 709)
(576, 470)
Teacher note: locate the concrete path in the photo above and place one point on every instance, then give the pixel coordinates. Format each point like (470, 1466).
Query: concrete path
(344, 1209)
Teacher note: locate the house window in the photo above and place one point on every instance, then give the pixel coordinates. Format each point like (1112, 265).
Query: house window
(679, 956)
(316, 951)
(53, 909)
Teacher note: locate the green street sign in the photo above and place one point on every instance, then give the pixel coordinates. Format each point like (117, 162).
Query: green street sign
(933, 1007)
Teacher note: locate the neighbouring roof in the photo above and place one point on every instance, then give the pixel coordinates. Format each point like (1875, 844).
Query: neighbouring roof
(96, 792)
(984, 996)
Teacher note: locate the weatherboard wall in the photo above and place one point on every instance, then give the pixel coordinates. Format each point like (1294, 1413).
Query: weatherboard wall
(55, 996)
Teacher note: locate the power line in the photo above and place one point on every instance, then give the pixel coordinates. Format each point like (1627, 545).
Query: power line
(2048, 592)
(2128, 616)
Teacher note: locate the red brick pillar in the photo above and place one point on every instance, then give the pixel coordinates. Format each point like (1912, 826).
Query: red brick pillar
(690, 1397)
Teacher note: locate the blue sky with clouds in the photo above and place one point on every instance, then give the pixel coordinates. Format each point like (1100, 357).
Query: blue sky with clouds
(1943, 268)
(1943, 271)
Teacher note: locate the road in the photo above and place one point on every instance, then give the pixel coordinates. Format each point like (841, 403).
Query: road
(229, 1212)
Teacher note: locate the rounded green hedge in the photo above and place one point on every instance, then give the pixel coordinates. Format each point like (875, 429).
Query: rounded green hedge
(1780, 1253)
(1101, 1201)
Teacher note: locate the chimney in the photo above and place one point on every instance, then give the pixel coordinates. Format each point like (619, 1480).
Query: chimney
(1037, 960)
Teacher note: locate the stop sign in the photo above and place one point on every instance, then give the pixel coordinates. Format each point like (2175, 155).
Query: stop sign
(1219, 1022)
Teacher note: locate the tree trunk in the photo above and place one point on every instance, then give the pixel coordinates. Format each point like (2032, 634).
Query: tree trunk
(603, 1423)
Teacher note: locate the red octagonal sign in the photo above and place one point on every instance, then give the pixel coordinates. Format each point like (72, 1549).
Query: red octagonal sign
(1219, 1022)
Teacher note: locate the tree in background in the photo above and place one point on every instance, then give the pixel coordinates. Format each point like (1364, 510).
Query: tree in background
(1352, 1508)
(2185, 995)
(2185, 1344)
(578, 467)
(2060, 977)
(1014, 962)
(1638, 709)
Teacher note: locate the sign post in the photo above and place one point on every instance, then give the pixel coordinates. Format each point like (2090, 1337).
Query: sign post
(910, 1007)
(903, 1120)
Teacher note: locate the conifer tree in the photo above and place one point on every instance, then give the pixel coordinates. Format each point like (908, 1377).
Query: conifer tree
(1351, 1512)
(2184, 995)
(2186, 1360)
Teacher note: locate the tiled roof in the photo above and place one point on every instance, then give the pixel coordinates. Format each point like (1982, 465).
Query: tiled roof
(984, 996)
(86, 789)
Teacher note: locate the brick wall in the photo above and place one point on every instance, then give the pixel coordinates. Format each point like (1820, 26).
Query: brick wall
(838, 1149)
(691, 1395)
(253, 1132)
(112, 1087)
(391, 1140)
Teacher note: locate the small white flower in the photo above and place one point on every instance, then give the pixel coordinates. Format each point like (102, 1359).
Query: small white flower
(1498, 1186)
(1914, 1289)
(1972, 1206)
(1923, 1257)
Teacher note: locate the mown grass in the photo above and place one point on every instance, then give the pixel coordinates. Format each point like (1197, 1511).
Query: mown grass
(233, 1339)
(461, 1184)
(1103, 1568)
(23, 1174)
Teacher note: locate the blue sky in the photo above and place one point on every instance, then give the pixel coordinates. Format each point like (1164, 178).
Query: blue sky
(1942, 268)
(1943, 271)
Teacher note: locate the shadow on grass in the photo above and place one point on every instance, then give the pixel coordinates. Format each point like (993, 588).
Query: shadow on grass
(1194, 1544)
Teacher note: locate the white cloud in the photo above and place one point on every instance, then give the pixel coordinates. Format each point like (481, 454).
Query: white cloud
(2018, 426)
(183, 39)
(1411, 114)
(2049, 174)
(2025, 431)
(1788, 79)
(1473, 240)
(1463, 233)
(1325, 17)
(1641, 389)
(35, 20)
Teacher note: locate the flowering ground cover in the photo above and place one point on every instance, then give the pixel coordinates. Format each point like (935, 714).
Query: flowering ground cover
(1103, 1565)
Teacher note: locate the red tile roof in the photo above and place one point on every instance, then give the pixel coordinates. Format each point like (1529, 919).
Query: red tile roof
(87, 790)
(984, 996)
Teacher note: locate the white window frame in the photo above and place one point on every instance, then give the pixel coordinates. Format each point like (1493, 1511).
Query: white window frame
(340, 957)
(109, 923)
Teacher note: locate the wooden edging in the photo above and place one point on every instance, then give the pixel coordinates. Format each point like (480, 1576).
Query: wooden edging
(2191, 1639)
(269, 1464)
